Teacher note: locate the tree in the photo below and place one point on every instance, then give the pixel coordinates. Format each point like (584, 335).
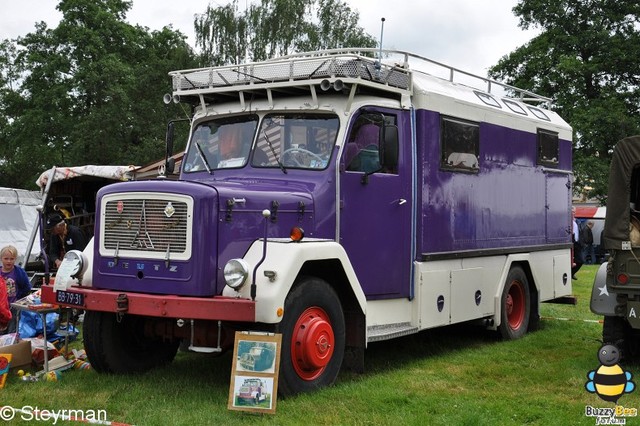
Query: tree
(274, 28)
(86, 92)
(585, 58)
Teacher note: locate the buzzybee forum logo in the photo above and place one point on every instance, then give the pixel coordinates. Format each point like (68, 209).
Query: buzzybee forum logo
(609, 381)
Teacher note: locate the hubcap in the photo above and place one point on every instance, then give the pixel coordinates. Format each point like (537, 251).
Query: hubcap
(515, 305)
(312, 343)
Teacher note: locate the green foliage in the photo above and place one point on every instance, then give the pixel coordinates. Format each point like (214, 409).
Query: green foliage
(86, 92)
(89, 91)
(585, 58)
(275, 28)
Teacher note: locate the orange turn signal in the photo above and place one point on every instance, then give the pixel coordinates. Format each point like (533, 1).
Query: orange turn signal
(296, 234)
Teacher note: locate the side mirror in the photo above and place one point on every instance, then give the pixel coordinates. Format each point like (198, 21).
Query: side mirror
(169, 139)
(170, 166)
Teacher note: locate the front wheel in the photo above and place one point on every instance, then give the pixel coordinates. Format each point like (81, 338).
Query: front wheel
(313, 337)
(515, 305)
(120, 346)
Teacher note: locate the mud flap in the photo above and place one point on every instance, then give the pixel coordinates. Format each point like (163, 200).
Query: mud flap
(603, 302)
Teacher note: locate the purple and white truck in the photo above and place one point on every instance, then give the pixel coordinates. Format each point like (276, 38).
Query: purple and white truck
(370, 199)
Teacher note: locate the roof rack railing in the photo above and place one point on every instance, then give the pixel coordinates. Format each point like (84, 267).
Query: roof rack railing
(453, 73)
(362, 65)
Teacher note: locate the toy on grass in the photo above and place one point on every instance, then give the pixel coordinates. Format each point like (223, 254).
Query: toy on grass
(5, 363)
(52, 376)
(81, 365)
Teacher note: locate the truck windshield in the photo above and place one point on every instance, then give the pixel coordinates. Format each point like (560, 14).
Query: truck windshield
(284, 140)
(220, 144)
(295, 140)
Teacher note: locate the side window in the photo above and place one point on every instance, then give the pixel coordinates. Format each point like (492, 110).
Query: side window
(460, 145)
(362, 152)
(547, 148)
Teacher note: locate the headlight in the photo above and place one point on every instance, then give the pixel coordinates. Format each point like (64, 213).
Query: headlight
(74, 263)
(71, 270)
(236, 272)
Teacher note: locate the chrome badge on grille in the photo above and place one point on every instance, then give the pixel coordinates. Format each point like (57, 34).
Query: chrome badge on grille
(169, 210)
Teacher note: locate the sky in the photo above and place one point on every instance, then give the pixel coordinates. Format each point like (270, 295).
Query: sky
(470, 35)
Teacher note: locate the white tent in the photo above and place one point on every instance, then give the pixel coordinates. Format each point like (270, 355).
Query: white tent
(18, 210)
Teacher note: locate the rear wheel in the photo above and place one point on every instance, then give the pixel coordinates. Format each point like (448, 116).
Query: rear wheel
(313, 337)
(618, 332)
(120, 346)
(515, 305)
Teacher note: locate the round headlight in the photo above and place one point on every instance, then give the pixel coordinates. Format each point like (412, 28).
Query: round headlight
(73, 263)
(236, 272)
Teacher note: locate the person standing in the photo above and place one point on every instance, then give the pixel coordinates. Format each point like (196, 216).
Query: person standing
(64, 237)
(577, 248)
(586, 239)
(16, 282)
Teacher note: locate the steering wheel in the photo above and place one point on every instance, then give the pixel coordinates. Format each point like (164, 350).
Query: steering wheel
(304, 151)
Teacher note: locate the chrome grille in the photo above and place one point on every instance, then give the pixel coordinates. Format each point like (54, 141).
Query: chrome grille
(146, 225)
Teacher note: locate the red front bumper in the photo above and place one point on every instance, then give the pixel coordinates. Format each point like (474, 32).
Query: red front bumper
(163, 306)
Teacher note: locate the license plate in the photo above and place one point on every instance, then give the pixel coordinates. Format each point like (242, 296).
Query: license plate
(69, 298)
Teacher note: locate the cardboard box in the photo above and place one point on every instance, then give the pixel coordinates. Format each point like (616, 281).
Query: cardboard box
(21, 354)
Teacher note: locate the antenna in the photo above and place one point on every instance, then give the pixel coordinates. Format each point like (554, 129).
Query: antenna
(379, 64)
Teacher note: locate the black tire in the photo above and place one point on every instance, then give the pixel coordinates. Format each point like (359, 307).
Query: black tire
(618, 332)
(121, 347)
(515, 305)
(313, 337)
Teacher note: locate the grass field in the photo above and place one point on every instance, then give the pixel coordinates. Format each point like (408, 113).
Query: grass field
(451, 376)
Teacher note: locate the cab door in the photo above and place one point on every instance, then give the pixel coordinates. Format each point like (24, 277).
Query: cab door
(375, 206)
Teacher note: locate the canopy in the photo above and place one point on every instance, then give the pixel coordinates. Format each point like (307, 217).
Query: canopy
(623, 193)
(590, 212)
(18, 210)
(108, 172)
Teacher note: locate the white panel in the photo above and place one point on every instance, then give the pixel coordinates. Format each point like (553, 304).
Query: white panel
(434, 284)
(471, 295)
(562, 275)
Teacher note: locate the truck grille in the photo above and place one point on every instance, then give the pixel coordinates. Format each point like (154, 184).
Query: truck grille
(146, 226)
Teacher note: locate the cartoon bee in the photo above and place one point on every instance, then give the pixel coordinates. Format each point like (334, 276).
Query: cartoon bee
(609, 381)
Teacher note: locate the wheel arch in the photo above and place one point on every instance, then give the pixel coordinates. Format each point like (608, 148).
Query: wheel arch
(521, 261)
(286, 262)
(333, 272)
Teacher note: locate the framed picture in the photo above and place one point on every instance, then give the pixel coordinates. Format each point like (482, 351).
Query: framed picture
(254, 374)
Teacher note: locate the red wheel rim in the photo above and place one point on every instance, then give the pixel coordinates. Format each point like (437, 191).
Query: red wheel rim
(312, 343)
(515, 305)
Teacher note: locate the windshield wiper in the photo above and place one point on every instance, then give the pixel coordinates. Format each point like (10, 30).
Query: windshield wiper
(204, 158)
(273, 151)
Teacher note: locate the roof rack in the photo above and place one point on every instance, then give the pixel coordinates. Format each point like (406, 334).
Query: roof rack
(306, 70)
